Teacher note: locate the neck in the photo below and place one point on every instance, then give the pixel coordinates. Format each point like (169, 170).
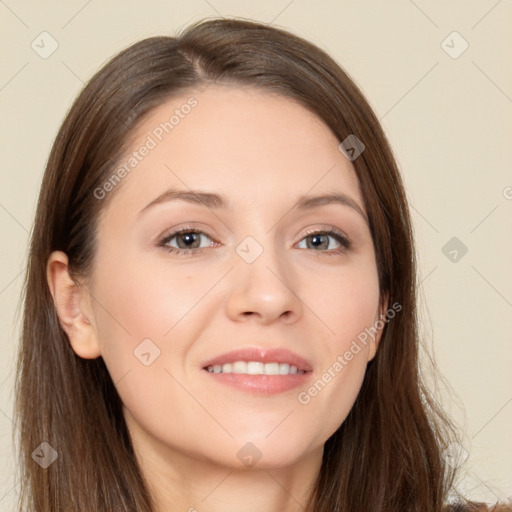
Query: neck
(181, 482)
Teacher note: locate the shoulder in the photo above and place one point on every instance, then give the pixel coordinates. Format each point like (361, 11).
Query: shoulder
(476, 507)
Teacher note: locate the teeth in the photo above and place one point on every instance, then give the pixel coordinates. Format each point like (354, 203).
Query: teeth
(239, 367)
(271, 368)
(255, 368)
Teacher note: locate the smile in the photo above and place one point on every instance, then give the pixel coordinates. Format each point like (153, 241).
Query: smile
(255, 368)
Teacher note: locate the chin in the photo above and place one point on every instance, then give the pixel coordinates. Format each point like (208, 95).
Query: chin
(272, 452)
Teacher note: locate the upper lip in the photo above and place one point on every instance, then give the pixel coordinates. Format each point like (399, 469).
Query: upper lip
(263, 355)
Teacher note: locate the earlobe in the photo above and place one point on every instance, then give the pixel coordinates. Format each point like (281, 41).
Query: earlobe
(73, 307)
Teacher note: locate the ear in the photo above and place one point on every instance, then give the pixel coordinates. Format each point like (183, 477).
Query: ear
(72, 302)
(379, 324)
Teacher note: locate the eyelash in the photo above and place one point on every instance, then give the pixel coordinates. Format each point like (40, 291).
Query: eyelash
(343, 240)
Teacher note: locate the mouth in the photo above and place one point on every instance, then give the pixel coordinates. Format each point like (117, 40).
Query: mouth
(259, 371)
(256, 368)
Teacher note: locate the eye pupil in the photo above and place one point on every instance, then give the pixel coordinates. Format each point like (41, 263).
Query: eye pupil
(316, 241)
(189, 239)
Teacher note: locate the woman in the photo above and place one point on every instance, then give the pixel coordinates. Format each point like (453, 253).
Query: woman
(220, 306)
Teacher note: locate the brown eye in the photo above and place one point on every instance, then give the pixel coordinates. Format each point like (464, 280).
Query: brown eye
(185, 240)
(317, 242)
(322, 241)
(188, 240)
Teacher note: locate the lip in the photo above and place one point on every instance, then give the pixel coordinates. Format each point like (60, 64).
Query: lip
(263, 355)
(260, 384)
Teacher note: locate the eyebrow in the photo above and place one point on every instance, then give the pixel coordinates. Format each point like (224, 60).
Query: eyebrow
(215, 201)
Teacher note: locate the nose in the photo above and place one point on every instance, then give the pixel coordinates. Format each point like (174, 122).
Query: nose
(264, 291)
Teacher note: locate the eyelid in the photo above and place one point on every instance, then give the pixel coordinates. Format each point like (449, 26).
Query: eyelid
(198, 227)
(328, 230)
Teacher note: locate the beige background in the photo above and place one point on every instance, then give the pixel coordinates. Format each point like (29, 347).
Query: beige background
(449, 121)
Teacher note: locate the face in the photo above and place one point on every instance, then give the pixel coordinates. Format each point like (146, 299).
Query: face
(243, 260)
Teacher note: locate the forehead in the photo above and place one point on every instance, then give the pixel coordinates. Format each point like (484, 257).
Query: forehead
(248, 145)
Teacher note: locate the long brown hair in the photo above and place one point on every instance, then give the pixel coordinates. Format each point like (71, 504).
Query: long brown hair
(386, 456)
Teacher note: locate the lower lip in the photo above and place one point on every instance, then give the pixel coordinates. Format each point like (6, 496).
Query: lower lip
(261, 384)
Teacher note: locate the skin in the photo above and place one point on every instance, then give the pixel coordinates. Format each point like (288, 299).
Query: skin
(260, 152)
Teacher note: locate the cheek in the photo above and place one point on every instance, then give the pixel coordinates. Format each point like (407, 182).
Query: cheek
(149, 320)
(338, 379)
(347, 306)
(345, 302)
(140, 301)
